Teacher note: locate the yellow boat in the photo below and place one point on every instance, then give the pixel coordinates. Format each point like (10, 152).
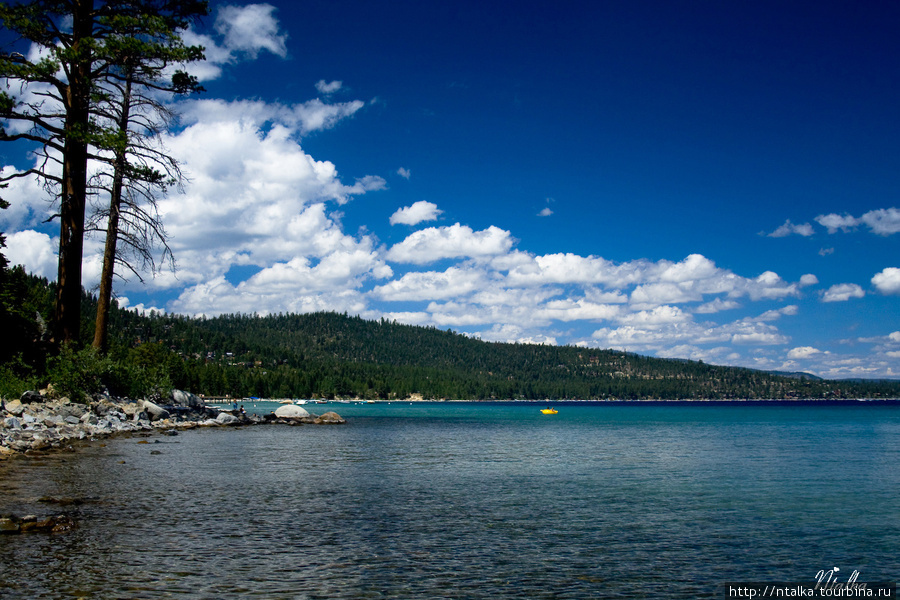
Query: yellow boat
(549, 411)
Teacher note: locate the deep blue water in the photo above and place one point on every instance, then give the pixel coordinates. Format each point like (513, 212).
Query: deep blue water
(465, 500)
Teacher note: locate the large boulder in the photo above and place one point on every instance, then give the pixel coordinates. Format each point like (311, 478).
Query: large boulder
(30, 397)
(183, 398)
(225, 418)
(15, 408)
(291, 411)
(330, 418)
(154, 411)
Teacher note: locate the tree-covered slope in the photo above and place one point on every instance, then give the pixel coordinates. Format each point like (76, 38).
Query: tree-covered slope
(330, 354)
(335, 355)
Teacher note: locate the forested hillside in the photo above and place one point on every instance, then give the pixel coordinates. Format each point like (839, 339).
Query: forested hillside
(333, 355)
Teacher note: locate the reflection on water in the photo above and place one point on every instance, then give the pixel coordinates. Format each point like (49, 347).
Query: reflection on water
(471, 501)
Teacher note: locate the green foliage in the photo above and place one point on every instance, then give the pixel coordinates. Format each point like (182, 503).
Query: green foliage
(332, 355)
(16, 377)
(78, 373)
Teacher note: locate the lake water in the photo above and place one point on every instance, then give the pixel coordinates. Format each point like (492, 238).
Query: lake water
(465, 500)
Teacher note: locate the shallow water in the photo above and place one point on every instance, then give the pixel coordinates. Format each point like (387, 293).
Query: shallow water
(447, 500)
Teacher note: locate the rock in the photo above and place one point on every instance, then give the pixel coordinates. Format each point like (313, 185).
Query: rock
(12, 423)
(291, 411)
(226, 419)
(15, 408)
(183, 398)
(330, 418)
(31, 397)
(8, 526)
(53, 420)
(156, 412)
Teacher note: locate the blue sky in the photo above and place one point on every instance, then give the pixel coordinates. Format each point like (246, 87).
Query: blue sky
(705, 180)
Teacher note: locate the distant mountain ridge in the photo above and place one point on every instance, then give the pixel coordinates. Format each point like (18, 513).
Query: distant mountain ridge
(330, 355)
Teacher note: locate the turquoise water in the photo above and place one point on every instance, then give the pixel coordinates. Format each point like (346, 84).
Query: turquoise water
(460, 500)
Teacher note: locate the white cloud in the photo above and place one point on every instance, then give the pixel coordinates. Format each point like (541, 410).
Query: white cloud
(808, 279)
(545, 212)
(842, 292)
(431, 285)
(218, 296)
(834, 222)
(36, 251)
(717, 305)
(255, 198)
(884, 221)
(895, 337)
(658, 316)
(888, 281)
(328, 87)
(415, 214)
(759, 338)
(774, 315)
(804, 229)
(243, 31)
(803, 352)
(577, 310)
(297, 119)
(251, 28)
(404, 173)
(29, 203)
(768, 286)
(456, 241)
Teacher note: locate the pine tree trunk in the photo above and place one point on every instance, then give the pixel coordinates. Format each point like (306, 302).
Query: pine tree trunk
(74, 190)
(101, 327)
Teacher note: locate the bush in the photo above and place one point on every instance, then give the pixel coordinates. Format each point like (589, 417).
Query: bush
(15, 378)
(79, 373)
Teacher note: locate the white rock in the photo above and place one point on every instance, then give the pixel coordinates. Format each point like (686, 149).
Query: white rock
(291, 411)
(156, 412)
(226, 419)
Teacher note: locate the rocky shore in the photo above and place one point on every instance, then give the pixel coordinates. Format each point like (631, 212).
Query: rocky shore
(39, 422)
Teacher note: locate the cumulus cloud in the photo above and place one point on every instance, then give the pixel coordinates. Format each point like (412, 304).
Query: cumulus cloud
(834, 222)
(297, 119)
(250, 29)
(415, 214)
(34, 250)
(808, 279)
(717, 305)
(404, 173)
(884, 221)
(888, 281)
(432, 285)
(804, 229)
(456, 241)
(546, 212)
(242, 32)
(842, 292)
(774, 315)
(255, 198)
(803, 352)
